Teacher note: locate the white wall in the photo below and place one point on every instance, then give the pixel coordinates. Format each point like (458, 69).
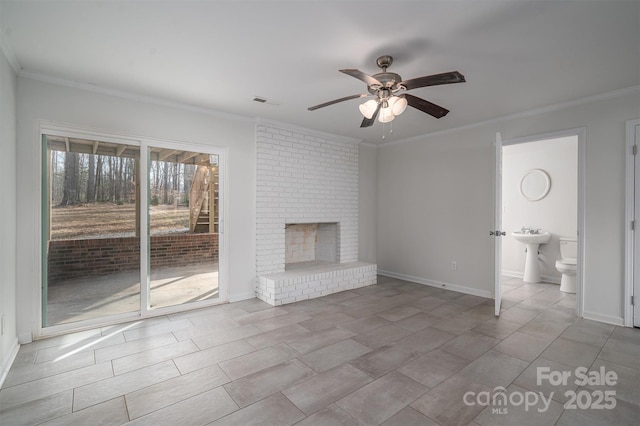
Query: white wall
(8, 340)
(39, 100)
(435, 207)
(435, 200)
(557, 213)
(367, 202)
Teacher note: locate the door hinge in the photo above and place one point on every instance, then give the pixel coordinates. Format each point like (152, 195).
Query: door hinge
(635, 149)
(633, 225)
(632, 301)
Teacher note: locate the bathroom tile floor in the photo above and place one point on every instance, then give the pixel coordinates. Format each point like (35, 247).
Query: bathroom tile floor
(397, 353)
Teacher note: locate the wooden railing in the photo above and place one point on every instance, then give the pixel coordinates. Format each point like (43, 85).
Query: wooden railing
(199, 195)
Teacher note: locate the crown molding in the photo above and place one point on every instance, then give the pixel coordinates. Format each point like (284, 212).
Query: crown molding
(8, 51)
(45, 78)
(369, 145)
(523, 114)
(11, 57)
(300, 129)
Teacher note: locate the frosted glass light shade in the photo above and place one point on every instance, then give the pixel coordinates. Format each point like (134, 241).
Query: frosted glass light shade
(386, 115)
(397, 105)
(368, 108)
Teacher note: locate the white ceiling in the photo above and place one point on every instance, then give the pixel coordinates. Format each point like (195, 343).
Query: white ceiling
(516, 55)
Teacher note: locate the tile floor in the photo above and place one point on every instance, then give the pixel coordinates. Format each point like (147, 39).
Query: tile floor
(397, 353)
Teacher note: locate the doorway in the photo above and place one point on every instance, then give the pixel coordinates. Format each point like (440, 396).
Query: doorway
(129, 229)
(538, 191)
(632, 237)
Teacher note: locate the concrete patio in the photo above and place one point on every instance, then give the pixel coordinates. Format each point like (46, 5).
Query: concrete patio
(81, 299)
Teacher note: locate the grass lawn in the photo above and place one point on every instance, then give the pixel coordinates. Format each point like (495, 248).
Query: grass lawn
(104, 220)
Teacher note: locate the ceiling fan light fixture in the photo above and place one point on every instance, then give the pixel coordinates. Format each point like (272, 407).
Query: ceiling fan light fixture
(397, 104)
(369, 108)
(386, 115)
(384, 86)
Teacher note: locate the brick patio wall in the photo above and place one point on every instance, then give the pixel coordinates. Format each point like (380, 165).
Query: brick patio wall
(93, 257)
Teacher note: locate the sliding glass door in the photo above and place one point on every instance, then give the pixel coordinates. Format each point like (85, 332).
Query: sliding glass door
(183, 223)
(120, 213)
(91, 243)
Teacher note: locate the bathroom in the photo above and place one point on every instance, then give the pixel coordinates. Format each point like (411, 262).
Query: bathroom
(524, 205)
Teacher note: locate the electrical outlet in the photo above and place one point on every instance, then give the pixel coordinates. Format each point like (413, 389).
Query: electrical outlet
(454, 266)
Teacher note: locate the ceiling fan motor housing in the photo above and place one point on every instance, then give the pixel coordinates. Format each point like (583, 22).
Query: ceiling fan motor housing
(384, 61)
(389, 80)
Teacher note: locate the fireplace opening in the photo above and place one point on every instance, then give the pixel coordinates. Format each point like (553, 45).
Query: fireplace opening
(310, 244)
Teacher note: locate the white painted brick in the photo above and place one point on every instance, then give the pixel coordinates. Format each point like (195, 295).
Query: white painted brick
(303, 177)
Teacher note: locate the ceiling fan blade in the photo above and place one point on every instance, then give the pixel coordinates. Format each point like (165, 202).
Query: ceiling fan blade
(335, 101)
(362, 76)
(434, 80)
(368, 122)
(425, 106)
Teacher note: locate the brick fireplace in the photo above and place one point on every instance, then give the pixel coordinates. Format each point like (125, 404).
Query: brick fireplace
(310, 244)
(307, 195)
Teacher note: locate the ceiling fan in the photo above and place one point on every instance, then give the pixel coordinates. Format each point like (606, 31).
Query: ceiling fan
(389, 92)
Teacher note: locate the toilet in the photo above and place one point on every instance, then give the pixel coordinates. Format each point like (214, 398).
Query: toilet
(567, 265)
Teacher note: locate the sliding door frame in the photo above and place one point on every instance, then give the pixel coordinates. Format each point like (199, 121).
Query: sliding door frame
(145, 267)
(42, 217)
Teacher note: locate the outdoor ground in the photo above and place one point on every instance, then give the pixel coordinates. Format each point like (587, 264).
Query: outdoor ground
(85, 298)
(112, 220)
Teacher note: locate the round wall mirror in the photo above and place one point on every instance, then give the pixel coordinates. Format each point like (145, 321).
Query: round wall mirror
(535, 185)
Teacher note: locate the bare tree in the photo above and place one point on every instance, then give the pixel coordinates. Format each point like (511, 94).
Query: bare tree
(99, 189)
(165, 183)
(119, 180)
(91, 179)
(71, 173)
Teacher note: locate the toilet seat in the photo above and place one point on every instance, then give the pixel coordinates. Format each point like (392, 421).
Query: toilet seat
(568, 263)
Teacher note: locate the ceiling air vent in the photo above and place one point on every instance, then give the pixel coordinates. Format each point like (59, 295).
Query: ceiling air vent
(259, 99)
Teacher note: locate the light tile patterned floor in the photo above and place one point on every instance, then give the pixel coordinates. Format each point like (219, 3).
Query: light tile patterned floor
(397, 353)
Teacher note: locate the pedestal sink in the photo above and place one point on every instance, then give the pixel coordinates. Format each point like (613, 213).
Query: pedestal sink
(532, 242)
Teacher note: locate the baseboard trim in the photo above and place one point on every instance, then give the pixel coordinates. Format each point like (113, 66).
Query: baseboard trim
(609, 319)
(23, 339)
(438, 284)
(8, 361)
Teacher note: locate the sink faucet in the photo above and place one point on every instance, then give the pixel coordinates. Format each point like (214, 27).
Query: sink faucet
(530, 230)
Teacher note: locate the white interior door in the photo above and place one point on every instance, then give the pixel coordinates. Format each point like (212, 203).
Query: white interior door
(496, 232)
(636, 234)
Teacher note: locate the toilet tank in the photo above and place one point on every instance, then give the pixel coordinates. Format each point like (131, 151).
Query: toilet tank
(568, 247)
